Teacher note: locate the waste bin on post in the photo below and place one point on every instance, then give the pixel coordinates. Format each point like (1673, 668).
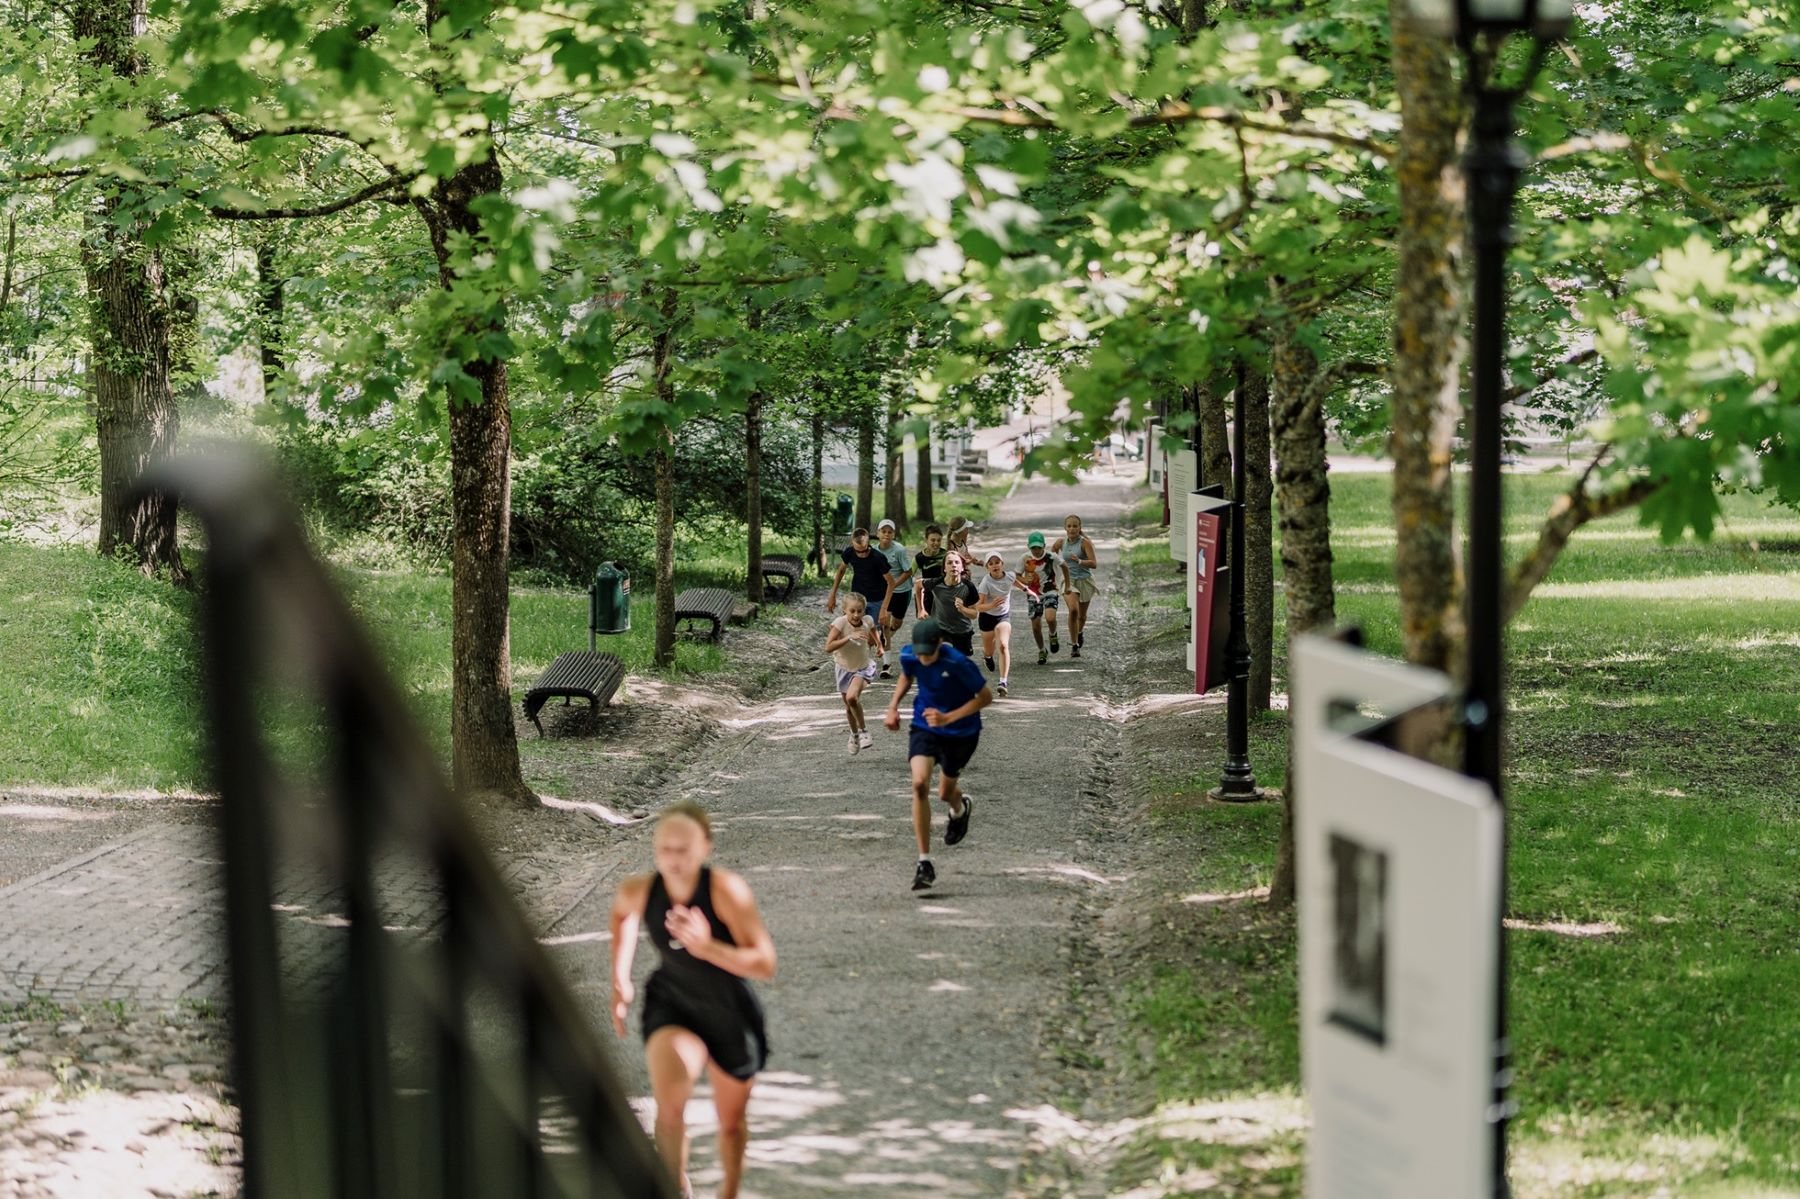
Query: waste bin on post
(843, 515)
(609, 602)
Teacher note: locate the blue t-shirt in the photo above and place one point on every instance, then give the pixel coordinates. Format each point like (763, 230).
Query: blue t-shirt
(951, 681)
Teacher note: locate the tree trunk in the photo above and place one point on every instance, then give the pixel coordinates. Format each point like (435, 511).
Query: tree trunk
(136, 416)
(271, 299)
(893, 505)
(1303, 494)
(865, 466)
(662, 354)
(1215, 445)
(818, 491)
(1427, 345)
(753, 492)
(1259, 548)
(485, 747)
(925, 505)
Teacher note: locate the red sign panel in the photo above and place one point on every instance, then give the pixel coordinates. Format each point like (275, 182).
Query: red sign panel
(1206, 570)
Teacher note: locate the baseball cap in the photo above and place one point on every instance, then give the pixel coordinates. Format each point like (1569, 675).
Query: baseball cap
(1035, 540)
(995, 556)
(926, 635)
(886, 524)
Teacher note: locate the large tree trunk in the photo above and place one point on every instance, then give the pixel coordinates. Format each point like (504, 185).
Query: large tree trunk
(271, 299)
(662, 353)
(1427, 345)
(1303, 494)
(484, 744)
(925, 505)
(818, 490)
(1215, 445)
(136, 417)
(1259, 549)
(865, 466)
(893, 505)
(753, 493)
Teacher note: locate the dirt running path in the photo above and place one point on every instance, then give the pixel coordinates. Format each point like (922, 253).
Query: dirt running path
(905, 1027)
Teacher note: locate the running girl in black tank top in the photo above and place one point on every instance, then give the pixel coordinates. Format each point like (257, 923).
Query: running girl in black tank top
(700, 1011)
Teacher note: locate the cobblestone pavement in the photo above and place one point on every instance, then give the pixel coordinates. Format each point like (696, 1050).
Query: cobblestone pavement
(139, 919)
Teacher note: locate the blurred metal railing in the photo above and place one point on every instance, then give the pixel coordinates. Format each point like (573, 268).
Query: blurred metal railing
(399, 1031)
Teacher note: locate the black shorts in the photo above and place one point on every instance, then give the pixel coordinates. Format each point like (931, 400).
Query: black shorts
(962, 641)
(949, 751)
(731, 1027)
(989, 621)
(898, 603)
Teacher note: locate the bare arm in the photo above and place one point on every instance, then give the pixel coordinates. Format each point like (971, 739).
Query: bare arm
(754, 954)
(836, 581)
(893, 710)
(627, 918)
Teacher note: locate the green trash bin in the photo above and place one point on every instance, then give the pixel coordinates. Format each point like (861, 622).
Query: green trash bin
(844, 513)
(609, 602)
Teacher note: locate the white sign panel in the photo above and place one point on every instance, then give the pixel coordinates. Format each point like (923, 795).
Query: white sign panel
(1183, 478)
(1399, 864)
(1153, 451)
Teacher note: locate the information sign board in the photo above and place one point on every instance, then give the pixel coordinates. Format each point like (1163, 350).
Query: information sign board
(1206, 537)
(1399, 871)
(1182, 478)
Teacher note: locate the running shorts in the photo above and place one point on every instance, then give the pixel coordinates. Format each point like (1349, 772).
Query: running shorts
(950, 752)
(898, 603)
(962, 641)
(733, 1032)
(1084, 588)
(1034, 608)
(989, 621)
(867, 674)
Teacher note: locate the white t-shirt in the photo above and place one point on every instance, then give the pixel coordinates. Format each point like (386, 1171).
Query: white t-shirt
(989, 586)
(856, 654)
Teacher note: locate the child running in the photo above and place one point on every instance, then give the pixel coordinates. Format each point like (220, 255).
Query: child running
(958, 537)
(1037, 574)
(946, 726)
(869, 573)
(953, 599)
(900, 570)
(851, 643)
(995, 617)
(700, 1012)
(1077, 550)
(928, 565)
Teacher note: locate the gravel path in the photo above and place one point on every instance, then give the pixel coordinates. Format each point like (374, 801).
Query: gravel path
(907, 1028)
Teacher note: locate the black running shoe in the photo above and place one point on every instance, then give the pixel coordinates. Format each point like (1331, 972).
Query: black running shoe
(885, 672)
(959, 825)
(1043, 658)
(1055, 645)
(990, 665)
(924, 876)
(1075, 650)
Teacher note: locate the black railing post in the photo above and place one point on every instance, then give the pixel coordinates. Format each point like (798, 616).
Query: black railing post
(1237, 782)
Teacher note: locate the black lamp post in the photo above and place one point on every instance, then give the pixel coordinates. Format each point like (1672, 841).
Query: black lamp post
(1492, 166)
(1237, 782)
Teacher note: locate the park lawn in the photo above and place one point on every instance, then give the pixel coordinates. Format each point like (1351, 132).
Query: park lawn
(1655, 820)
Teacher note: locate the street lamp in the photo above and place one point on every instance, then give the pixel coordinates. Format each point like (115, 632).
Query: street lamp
(1492, 167)
(1237, 782)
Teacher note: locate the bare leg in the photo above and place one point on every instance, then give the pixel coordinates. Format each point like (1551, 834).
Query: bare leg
(1003, 642)
(921, 801)
(853, 705)
(950, 791)
(987, 643)
(1037, 630)
(1084, 610)
(730, 1097)
(675, 1057)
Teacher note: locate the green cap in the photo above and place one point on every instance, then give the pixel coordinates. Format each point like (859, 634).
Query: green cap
(926, 635)
(1035, 540)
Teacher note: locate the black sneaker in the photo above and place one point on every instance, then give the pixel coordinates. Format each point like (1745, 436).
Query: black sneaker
(885, 672)
(1055, 645)
(1075, 650)
(990, 665)
(924, 876)
(959, 825)
(1043, 658)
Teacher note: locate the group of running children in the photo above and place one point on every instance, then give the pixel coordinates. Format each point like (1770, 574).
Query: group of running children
(700, 1013)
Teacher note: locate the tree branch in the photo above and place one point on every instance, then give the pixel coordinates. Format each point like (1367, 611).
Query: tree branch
(1519, 391)
(370, 192)
(1322, 383)
(1570, 511)
(1178, 113)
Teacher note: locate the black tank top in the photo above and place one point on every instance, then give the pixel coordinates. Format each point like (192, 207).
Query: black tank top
(696, 979)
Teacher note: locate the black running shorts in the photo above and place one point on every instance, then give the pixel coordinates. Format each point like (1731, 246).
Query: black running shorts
(898, 603)
(989, 621)
(731, 1026)
(962, 641)
(950, 752)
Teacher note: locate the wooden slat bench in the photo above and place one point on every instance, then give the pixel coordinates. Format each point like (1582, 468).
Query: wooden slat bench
(706, 603)
(579, 673)
(782, 570)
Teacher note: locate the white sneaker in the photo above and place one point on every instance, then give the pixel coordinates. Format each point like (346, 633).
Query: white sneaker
(864, 739)
(855, 743)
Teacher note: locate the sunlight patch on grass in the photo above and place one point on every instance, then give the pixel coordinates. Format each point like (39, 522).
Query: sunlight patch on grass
(1580, 1155)
(1759, 586)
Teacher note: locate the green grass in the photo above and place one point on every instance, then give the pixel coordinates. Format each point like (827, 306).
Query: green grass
(1654, 789)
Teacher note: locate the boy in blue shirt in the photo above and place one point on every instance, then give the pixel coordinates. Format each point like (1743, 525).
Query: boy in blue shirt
(946, 725)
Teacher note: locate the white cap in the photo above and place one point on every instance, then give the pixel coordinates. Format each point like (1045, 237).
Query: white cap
(886, 524)
(996, 556)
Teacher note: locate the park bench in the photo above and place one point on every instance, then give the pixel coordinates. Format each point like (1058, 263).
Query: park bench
(577, 674)
(706, 603)
(782, 570)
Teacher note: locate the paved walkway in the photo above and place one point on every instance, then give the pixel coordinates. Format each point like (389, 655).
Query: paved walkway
(905, 1026)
